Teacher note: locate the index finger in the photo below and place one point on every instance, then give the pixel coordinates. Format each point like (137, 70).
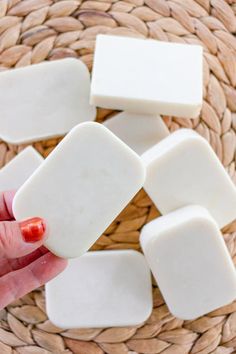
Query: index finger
(6, 199)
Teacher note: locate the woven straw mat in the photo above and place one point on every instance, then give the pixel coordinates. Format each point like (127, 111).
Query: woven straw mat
(32, 31)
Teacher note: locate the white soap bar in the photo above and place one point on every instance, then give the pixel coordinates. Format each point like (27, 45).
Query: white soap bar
(147, 76)
(138, 131)
(183, 169)
(44, 100)
(101, 289)
(80, 188)
(190, 261)
(19, 169)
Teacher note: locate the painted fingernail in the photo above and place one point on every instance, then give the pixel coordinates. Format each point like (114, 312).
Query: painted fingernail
(33, 229)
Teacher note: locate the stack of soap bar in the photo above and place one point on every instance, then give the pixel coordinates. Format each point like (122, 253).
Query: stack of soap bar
(101, 289)
(147, 76)
(80, 188)
(190, 261)
(138, 131)
(49, 99)
(182, 170)
(19, 169)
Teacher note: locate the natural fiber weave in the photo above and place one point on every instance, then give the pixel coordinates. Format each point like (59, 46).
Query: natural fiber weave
(35, 30)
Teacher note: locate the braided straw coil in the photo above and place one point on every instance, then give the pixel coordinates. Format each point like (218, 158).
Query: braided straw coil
(32, 31)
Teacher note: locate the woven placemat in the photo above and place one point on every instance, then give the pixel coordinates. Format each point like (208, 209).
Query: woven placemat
(35, 30)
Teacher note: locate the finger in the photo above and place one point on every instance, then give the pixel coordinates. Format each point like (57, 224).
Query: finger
(10, 265)
(19, 239)
(6, 199)
(16, 284)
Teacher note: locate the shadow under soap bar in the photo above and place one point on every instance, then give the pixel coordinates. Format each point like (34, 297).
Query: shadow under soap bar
(80, 188)
(44, 100)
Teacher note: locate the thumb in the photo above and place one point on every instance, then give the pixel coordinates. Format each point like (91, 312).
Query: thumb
(18, 239)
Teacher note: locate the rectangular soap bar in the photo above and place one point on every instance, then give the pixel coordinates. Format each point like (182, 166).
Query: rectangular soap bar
(80, 188)
(44, 100)
(19, 169)
(190, 261)
(147, 76)
(138, 131)
(183, 169)
(101, 289)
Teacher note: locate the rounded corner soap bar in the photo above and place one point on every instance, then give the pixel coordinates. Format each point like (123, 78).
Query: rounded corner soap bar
(190, 262)
(19, 169)
(183, 169)
(138, 131)
(147, 76)
(50, 98)
(101, 289)
(80, 188)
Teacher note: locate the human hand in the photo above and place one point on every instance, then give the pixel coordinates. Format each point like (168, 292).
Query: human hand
(24, 263)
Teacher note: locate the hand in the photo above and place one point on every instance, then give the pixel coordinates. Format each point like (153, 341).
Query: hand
(24, 263)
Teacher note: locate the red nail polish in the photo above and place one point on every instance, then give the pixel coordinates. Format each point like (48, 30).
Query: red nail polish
(32, 229)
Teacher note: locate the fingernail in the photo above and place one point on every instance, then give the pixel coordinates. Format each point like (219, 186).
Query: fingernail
(33, 229)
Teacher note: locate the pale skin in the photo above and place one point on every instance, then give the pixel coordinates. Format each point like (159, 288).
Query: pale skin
(24, 266)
